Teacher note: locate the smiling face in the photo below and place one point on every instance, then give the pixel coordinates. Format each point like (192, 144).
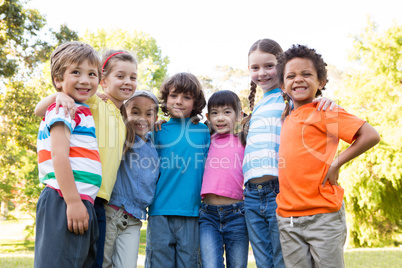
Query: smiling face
(80, 82)
(223, 119)
(301, 81)
(141, 114)
(179, 105)
(121, 82)
(262, 70)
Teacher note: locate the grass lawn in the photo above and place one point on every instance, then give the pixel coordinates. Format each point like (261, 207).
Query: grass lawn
(15, 252)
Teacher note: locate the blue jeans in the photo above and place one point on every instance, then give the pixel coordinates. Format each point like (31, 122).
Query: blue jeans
(172, 241)
(260, 212)
(99, 206)
(223, 228)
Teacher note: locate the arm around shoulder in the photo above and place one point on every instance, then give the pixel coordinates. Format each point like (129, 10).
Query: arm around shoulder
(61, 99)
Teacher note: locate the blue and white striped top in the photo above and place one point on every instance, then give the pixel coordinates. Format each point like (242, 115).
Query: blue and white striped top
(261, 153)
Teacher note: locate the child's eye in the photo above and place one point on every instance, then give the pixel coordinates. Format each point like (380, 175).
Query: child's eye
(93, 74)
(75, 72)
(290, 76)
(306, 74)
(133, 78)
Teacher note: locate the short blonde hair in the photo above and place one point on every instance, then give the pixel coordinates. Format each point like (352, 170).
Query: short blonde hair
(72, 53)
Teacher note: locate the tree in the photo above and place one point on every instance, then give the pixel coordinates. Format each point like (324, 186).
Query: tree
(22, 43)
(373, 181)
(152, 66)
(25, 43)
(18, 130)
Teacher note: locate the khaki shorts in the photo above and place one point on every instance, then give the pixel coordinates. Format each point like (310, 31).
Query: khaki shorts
(313, 241)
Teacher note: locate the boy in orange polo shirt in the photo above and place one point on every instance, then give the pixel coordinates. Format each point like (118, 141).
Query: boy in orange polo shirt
(310, 213)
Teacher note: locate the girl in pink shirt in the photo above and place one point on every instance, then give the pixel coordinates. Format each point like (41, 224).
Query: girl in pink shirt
(222, 222)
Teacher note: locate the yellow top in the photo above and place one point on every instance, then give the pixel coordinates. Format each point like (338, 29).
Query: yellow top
(111, 134)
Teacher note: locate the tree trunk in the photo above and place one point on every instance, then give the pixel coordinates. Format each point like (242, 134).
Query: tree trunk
(4, 210)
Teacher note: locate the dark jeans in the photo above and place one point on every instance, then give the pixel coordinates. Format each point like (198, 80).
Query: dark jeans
(55, 245)
(101, 216)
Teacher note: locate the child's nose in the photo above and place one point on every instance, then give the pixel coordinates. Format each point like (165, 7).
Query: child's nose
(84, 80)
(179, 99)
(262, 71)
(298, 78)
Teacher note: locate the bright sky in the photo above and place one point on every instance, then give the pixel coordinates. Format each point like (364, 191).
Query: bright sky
(199, 35)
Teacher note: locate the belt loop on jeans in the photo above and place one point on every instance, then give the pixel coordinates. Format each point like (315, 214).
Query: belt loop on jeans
(235, 207)
(205, 207)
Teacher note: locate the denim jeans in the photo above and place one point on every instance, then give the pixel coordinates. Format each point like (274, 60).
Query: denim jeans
(99, 206)
(223, 228)
(260, 212)
(173, 241)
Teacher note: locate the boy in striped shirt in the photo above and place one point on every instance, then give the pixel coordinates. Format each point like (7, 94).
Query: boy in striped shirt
(69, 165)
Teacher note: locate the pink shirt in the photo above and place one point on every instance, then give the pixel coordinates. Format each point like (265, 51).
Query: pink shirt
(223, 173)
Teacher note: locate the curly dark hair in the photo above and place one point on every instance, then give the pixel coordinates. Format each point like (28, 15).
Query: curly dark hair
(184, 83)
(300, 51)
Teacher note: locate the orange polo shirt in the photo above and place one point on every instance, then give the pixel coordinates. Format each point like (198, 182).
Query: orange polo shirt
(308, 144)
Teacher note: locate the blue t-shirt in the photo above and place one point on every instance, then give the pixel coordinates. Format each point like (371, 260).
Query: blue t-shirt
(136, 178)
(183, 148)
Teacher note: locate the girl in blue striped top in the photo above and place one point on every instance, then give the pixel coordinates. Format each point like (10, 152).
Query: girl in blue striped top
(260, 164)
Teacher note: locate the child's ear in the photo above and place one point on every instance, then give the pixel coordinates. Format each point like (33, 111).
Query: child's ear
(322, 84)
(103, 83)
(57, 83)
(282, 86)
(239, 116)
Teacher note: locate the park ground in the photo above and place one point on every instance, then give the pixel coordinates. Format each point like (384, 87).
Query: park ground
(16, 252)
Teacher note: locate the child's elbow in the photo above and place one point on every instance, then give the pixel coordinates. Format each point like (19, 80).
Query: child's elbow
(374, 136)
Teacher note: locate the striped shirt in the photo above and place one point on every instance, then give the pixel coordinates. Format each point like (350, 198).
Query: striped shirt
(261, 153)
(84, 156)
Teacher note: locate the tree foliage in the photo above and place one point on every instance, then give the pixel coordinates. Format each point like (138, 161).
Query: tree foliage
(25, 43)
(18, 130)
(373, 182)
(22, 43)
(152, 66)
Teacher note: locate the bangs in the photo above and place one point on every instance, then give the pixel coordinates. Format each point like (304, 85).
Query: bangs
(224, 98)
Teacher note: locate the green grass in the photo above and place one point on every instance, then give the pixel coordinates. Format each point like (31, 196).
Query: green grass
(15, 252)
(16, 261)
(373, 258)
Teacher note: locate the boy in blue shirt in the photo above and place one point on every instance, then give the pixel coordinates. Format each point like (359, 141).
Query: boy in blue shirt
(173, 232)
